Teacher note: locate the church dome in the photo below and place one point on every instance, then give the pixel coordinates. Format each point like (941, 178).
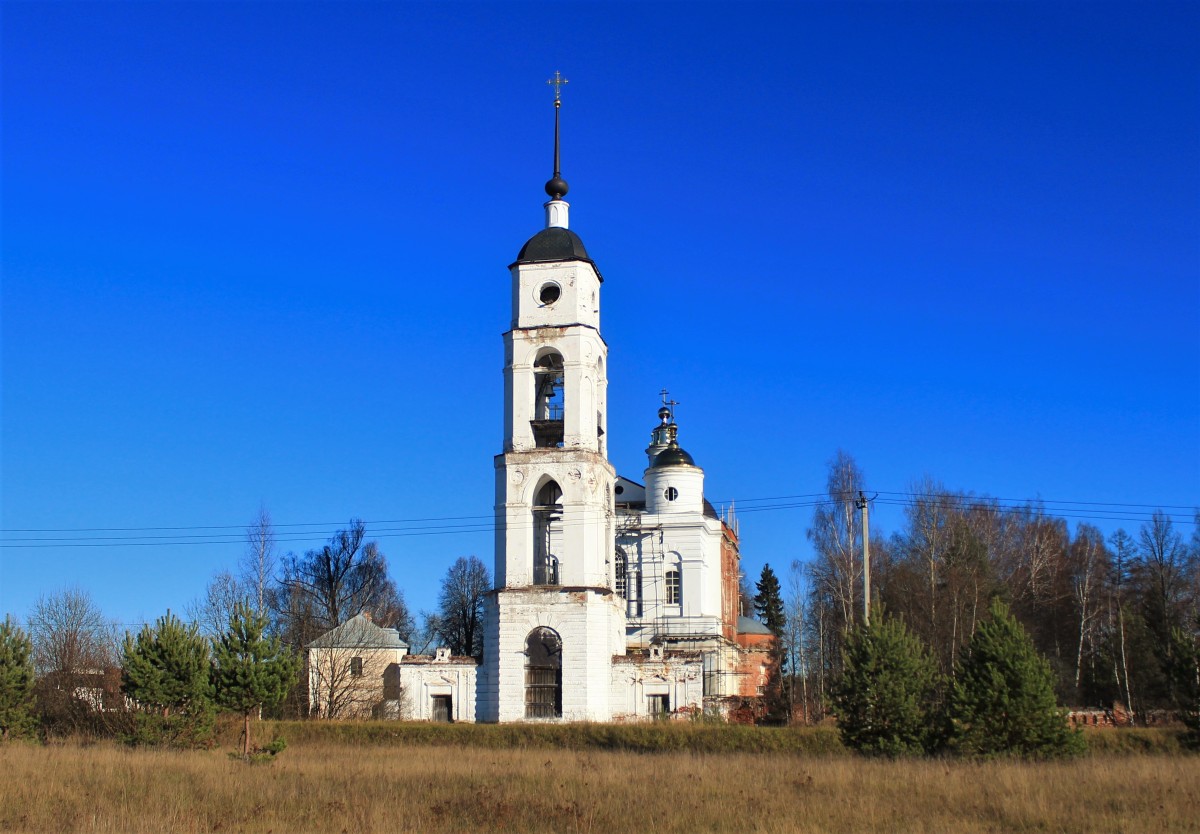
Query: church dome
(673, 455)
(553, 244)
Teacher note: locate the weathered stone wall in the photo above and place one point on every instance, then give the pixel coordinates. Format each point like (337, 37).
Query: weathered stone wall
(590, 625)
(639, 678)
(422, 677)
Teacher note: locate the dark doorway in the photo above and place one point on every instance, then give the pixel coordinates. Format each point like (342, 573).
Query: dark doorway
(443, 708)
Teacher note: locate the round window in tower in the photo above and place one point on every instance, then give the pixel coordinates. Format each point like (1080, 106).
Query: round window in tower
(671, 493)
(549, 293)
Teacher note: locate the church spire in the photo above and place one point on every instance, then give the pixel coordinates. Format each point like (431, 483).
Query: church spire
(556, 187)
(665, 433)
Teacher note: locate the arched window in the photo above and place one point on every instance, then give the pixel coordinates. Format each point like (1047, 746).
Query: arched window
(547, 422)
(619, 566)
(547, 532)
(543, 674)
(673, 588)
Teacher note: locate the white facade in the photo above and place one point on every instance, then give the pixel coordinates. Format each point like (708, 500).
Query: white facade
(440, 687)
(672, 532)
(612, 601)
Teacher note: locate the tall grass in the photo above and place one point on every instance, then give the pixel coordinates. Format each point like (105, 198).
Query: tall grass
(337, 786)
(652, 737)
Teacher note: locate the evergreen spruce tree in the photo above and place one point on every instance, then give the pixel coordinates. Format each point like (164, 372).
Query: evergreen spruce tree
(886, 697)
(249, 669)
(768, 604)
(166, 671)
(16, 682)
(1002, 701)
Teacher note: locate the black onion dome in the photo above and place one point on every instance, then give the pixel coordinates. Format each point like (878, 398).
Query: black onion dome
(554, 244)
(673, 455)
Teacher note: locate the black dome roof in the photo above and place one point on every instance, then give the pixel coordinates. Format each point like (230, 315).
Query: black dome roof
(553, 244)
(673, 455)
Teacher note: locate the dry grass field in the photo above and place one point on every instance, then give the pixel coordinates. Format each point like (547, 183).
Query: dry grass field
(336, 786)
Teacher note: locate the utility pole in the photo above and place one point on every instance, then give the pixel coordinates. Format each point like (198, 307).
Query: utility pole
(866, 536)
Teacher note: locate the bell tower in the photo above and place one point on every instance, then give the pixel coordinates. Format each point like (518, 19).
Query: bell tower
(553, 622)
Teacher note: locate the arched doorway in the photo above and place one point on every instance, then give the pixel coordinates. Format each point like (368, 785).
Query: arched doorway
(543, 674)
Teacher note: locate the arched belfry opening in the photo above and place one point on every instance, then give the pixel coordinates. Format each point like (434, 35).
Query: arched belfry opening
(547, 533)
(543, 674)
(548, 414)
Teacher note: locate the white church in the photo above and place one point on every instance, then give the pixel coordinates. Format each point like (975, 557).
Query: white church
(615, 598)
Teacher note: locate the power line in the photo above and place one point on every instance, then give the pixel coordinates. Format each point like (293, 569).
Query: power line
(403, 528)
(238, 527)
(742, 505)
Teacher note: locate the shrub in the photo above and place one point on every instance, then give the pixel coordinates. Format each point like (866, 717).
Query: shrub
(190, 728)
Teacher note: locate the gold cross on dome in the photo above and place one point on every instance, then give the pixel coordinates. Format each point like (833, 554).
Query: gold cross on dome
(557, 81)
(669, 404)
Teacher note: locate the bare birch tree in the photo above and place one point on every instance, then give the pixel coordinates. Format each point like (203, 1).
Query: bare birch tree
(795, 641)
(260, 559)
(836, 536)
(1090, 559)
(1122, 546)
(211, 612)
(251, 585)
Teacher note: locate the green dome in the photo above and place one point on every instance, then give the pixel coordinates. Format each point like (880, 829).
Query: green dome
(673, 455)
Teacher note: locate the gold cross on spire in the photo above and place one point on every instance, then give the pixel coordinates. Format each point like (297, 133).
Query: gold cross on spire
(557, 81)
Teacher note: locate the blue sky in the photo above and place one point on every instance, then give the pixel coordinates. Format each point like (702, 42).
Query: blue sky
(254, 254)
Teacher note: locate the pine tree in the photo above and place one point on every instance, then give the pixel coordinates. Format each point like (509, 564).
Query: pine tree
(166, 669)
(1002, 701)
(1184, 667)
(16, 682)
(886, 697)
(250, 670)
